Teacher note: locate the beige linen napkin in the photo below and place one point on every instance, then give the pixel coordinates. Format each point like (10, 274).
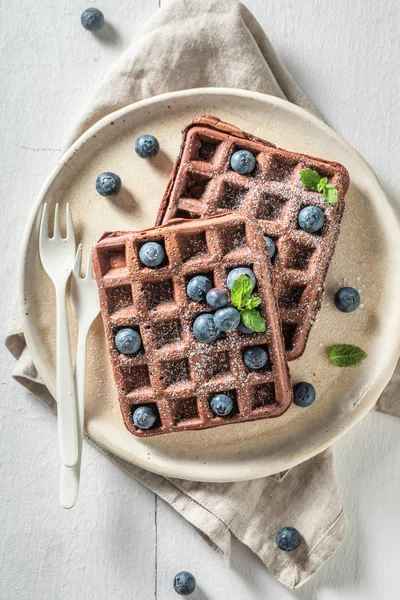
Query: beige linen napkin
(194, 44)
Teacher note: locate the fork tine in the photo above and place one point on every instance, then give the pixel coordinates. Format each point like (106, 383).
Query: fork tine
(89, 269)
(70, 225)
(44, 224)
(78, 262)
(57, 226)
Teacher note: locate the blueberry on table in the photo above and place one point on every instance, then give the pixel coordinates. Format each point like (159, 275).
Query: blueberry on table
(151, 254)
(184, 583)
(92, 19)
(311, 219)
(198, 287)
(270, 246)
(108, 184)
(205, 329)
(217, 298)
(243, 329)
(144, 417)
(221, 405)
(255, 357)
(128, 341)
(243, 162)
(235, 273)
(303, 394)
(288, 539)
(227, 319)
(347, 299)
(147, 146)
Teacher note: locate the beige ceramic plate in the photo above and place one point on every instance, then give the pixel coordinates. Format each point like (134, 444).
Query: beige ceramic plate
(367, 257)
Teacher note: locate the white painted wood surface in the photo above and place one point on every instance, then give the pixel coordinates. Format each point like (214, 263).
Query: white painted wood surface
(120, 542)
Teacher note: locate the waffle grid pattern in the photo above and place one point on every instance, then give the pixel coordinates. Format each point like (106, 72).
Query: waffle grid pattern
(203, 184)
(176, 373)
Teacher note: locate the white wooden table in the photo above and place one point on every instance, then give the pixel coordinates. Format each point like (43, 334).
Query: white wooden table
(120, 541)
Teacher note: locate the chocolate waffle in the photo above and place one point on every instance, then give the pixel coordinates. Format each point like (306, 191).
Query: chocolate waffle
(174, 373)
(202, 183)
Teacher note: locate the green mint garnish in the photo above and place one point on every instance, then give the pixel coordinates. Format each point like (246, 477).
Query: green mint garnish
(313, 181)
(241, 291)
(246, 305)
(253, 320)
(346, 355)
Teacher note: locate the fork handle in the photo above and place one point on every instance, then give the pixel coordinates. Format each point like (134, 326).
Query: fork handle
(66, 399)
(70, 477)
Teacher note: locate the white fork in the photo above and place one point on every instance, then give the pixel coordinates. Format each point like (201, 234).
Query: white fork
(57, 257)
(86, 307)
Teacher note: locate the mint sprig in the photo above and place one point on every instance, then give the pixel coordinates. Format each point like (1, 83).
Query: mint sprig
(346, 355)
(246, 304)
(313, 181)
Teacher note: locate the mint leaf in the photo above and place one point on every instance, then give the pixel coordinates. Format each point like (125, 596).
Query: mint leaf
(253, 320)
(330, 194)
(310, 178)
(241, 290)
(322, 183)
(252, 302)
(346, 355)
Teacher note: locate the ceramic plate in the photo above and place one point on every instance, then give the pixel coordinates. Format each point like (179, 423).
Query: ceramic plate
(367, 257)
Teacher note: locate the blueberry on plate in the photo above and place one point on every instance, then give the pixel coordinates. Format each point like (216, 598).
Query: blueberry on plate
(221, 405)
(311, 219)
(288, 539)
(205, 329)
(184, 583)
(108, 184)
(243, 162)
(235, 273)
(270, 246)
(217, 298)
(147, 146)
(303, 394)
(198, 287)
(255, 357)
(151, 254)
(347, 299)
(227, 319)
(128, 341)
(144, 417)
(92, 19)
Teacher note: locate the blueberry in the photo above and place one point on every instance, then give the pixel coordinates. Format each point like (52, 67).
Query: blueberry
(227, 319)
(255, 357)
(243, 162)
(198, 287)
(234, 274)
(144, 417)
(147, 146)
(221, 405)
(311, 219)
(184, 583)
(287, 539)
(151, 254)
(128, 341)
(205, 329)
(92, 19)
(217, 298)
(270, 245)
(108, 184)
(347, 299)
(304, 394)
(243, 329)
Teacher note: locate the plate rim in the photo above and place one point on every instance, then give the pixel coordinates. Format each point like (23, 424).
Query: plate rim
(198, 471)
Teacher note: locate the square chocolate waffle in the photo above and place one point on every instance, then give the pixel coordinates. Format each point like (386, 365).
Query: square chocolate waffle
(203, 183)
(174, 373)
